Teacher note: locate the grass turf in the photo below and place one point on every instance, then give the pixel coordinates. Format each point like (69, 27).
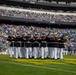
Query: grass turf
(8, 66)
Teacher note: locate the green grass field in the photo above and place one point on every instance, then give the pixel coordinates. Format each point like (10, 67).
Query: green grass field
(8, 66)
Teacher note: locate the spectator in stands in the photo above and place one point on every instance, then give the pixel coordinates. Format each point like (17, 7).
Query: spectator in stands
(38, 16)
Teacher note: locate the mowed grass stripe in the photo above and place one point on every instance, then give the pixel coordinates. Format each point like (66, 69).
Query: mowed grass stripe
(14, 69)
(40, 67)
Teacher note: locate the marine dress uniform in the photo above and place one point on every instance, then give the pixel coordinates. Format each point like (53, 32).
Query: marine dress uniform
(28, 45)
(36, 46)
(44, 48)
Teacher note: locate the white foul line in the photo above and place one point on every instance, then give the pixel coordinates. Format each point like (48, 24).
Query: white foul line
(56, 69)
